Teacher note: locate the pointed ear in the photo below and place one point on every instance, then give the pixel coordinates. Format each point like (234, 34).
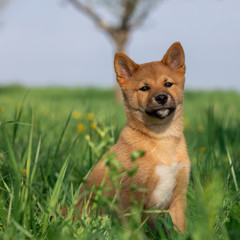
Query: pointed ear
(124, 67)
(175, 58)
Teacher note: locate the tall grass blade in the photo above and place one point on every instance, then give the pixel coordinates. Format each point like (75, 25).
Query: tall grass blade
(14, 163)
(5, 184)
(232, 170)
(58, 184)
(28, 166)
(10, 209)
(22, 229)
(18, 114)
(62, 134)
(36, 160)
(15, 175)
(56, 191)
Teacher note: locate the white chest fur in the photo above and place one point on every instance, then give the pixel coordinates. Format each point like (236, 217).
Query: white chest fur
(163, 192)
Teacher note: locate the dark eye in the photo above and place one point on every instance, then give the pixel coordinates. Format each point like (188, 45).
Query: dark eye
(168, 84)
(144, 88)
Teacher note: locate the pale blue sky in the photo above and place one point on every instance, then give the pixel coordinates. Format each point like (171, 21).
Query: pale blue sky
(47, 43)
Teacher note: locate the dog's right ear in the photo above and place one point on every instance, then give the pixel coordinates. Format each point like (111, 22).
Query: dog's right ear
(124, 67)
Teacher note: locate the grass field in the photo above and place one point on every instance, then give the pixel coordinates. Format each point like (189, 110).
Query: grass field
(50, 138)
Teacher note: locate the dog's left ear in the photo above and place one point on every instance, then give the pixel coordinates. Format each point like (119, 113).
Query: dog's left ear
(175, 58)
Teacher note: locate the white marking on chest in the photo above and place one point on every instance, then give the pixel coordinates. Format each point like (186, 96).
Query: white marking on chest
(163, 192)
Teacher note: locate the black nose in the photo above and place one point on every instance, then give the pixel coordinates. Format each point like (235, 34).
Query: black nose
(161, 99)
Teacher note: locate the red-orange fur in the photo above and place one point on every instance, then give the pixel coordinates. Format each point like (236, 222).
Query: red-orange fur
(161, 139)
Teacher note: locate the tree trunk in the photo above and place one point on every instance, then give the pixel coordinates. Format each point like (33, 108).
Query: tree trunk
(118, 92)
(120, 38)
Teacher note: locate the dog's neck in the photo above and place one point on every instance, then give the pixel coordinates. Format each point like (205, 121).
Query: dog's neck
(172, 126)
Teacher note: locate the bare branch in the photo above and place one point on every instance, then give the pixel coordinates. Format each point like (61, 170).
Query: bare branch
(138, 22)
(129, 9)
(127, 15)
(3, 3)
(89, 11)
(135, 12)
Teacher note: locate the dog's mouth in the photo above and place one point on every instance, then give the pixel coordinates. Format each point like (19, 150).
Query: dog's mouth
(160, 113)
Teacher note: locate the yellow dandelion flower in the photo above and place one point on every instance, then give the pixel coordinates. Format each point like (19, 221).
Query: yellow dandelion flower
(1, 109)
(90, 116)
(200, 128)
(93, 125)
(24, 171)
(203, 149)
(80, 128)
(76, 115)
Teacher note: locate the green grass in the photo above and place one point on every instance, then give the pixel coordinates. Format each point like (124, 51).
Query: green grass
(50, 139)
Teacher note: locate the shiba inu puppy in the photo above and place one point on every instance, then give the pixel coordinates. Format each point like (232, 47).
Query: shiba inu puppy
(153, 100)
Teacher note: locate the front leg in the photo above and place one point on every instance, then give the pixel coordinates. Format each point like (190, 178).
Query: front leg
(177, 213)
(178, 204)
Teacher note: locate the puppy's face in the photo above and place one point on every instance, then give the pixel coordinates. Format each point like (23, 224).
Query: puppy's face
(152, 90)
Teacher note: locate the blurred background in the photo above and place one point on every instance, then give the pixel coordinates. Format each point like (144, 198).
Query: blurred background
(72, 43)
